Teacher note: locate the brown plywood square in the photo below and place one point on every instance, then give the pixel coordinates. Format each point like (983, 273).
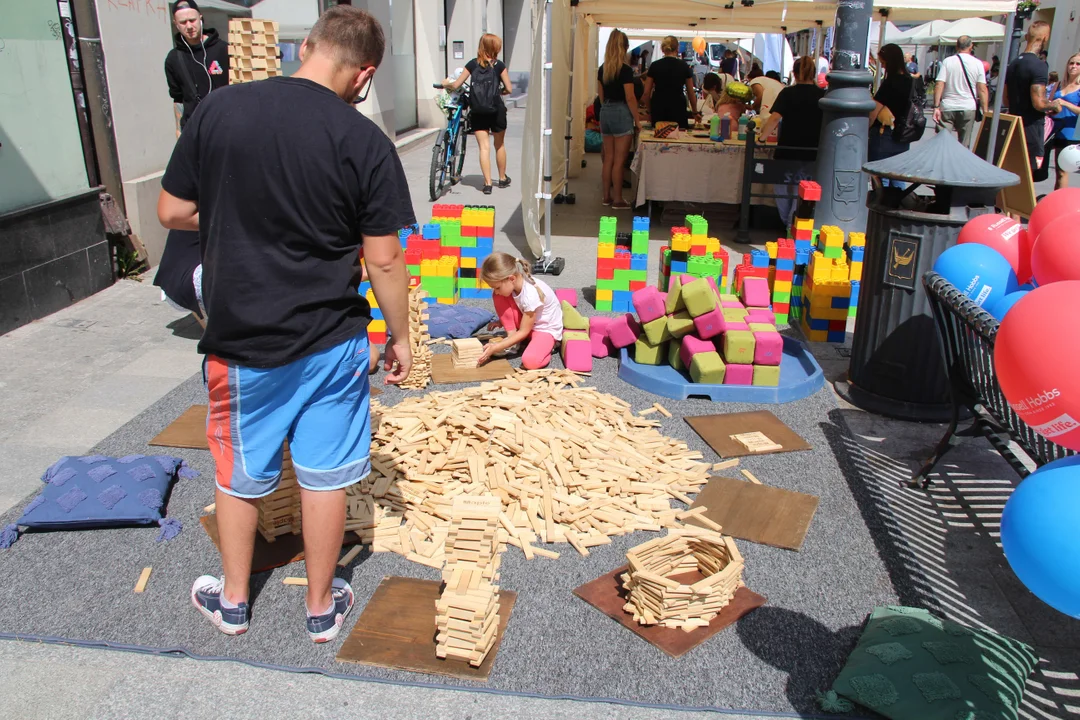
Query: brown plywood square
(397, 630)
(284, 550)
(716, 430)
(606, 595)
(758, 513)
(443, 370)
(186, 431)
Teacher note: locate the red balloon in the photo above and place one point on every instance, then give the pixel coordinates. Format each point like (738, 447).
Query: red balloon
(1025, 241)
(1060, 202)
(998, 232)
(1035, 353)
(1055, 256)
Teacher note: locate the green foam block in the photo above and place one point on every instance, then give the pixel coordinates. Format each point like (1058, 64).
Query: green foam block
(699, 297)
(768, 375)
(734, 314)
(657, 330)
(645, 353)
(674, 296)
(728, 297)
(680, 324)
(571, 318)
(739, 347)
(707, 367)
(569, 335)
(761, 327)
(674, 357)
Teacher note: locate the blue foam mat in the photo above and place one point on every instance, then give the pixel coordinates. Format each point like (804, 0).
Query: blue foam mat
(800, 376)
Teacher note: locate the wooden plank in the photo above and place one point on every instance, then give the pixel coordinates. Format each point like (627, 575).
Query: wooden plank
(443, 371)
(758, 513)
(717, 431)
(144, 577)
(301, 581)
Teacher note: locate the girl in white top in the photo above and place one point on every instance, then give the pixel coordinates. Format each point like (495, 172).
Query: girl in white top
(526, 307)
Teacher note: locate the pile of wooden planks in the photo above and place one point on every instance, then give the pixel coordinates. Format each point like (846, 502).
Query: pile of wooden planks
(465, 353)
(567, 463)
(654, 597)
(253, 50)
(467, 612)
(420, 375)
(279, 512)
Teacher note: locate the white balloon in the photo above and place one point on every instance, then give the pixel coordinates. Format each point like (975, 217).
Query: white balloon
(1069, 159)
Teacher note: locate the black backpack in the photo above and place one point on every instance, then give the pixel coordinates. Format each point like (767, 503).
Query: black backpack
(910, 128)
(484, 96)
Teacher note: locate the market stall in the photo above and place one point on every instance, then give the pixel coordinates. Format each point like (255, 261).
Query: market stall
(688, 169)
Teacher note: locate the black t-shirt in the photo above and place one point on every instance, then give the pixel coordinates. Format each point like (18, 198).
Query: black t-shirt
(1023, 72)
(614, 90)
(895, 94)
(669, 76)
(288, 178)
(474, 63)
(178, 262)
(800, 126)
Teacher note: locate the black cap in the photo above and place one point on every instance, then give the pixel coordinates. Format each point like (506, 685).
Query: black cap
(185, 5)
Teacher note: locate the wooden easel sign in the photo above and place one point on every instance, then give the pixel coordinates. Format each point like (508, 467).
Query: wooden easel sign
(1010, 153)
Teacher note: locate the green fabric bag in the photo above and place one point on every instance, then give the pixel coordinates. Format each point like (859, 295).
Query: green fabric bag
(911, 665)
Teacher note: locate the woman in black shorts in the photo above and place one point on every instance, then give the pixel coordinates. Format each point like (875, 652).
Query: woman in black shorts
(488, 112)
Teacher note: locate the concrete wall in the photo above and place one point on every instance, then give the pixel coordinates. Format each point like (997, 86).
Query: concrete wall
(379, 105)
(517, 42)
(1064, 19)
(464, 24)
(429, 17)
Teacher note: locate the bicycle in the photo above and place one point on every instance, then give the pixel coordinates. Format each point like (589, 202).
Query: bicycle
(448, 155)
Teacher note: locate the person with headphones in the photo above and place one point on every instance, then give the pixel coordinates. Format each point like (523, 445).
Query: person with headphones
(197, 65)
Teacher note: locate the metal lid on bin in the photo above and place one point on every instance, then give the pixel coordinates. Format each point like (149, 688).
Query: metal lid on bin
(942, 161)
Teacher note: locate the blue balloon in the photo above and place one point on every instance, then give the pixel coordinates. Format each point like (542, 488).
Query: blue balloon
(1001, 307)
(981, 273)
(1030, 285)
(1040, 533)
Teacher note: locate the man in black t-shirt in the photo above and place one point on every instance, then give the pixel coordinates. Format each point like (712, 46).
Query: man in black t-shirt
(1025, 89)
(284, 206)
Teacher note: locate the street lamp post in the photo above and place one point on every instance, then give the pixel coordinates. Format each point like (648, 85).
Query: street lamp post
(845, 126)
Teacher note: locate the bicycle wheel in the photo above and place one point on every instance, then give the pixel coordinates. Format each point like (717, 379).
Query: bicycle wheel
(457, 162)
(437, 176)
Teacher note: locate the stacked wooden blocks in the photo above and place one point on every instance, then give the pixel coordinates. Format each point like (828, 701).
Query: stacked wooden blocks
(655, 598)
(467, 612)
(279, 512)
(622, 263)
(692, 252)
(253, 51)
(466, 352)
(420, 374)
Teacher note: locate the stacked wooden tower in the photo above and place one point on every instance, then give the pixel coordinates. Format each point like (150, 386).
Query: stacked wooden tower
(253, 50)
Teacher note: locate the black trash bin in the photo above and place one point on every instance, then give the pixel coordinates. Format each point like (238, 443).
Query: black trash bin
(896, 362)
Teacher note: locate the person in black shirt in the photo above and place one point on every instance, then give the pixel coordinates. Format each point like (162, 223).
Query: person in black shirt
(283, 207)
(800, 103)
(668, 86)
(197, 65)
(618, 116)
(894, 94)
(1025, 89)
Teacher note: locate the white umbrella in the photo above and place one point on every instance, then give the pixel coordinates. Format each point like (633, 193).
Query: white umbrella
(978, 29)
(925, 34)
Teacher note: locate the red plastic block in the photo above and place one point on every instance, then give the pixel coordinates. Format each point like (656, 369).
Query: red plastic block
(809, 190)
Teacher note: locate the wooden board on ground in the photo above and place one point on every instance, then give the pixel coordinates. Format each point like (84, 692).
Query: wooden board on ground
(758, 513)
(443, 371)
(1010, 153)
(717, 431)
(397, 630)
(606, 595)
(285, 549)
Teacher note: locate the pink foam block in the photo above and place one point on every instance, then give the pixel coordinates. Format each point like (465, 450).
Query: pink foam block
(577, 355)
(760, 315)
(691, 346)
(712, 284)
(567, 294)
(732, 304)
(755, 292)
(739, 374)
(710, 324)
(768, 347)
(649, 303)
(624, 331)
(598, 330)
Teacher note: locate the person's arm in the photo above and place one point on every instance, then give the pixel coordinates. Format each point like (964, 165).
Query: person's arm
(874, 113)
(691, 94)
(507, 86)
(631, 101)
(939, 89)
(1066, 104)
(770, 125)
(525, 328)
(176, 92)
(600, 93)
(984, 97)
(1040, 103)
(646, 96)
(176, 213)
(390, 282)
(455, 85)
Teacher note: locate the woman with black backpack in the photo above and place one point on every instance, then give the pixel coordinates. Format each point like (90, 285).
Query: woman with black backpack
(487, 112)
(904, 96)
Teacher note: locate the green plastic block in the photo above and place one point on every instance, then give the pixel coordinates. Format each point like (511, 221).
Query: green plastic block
(699, 297)
(621, 281)
(645, 353)
(851, 311)
(781, 297)
(414, 270)
(657, 330)
(707, 367)
(665, 282)
(739, 347)
(606, 284)
(637, 274)
(734, 314)
(439, 287)
(761, 327)
(606, 239)
(603, 306)
(674, 358)
(674, 296)
(781, 319)
(572, 320)
(833, 252)
(639, 247)
(768, 375)
(609, 224)
(680, 324)
(468, 242)
(467, 283)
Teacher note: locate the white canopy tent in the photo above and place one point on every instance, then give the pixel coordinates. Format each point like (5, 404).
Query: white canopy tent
(566, 42)
(976, 28)
(925, 34)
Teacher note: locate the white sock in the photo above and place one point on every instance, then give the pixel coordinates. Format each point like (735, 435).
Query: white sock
(225, 602)
(327, 611)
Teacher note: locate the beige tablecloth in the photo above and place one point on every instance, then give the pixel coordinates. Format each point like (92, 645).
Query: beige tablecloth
(688, 170)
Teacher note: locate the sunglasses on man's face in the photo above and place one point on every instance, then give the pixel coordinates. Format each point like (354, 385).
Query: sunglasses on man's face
(367, 90)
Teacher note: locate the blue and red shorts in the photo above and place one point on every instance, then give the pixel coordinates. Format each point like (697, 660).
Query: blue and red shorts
(319, 403)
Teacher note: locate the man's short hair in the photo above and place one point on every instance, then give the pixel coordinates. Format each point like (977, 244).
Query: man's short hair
(350, 35)
(1039, 30)
(185, 5)
(963, 42)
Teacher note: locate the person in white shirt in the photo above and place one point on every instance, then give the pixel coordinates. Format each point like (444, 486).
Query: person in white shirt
(527, 308)
(960, 88)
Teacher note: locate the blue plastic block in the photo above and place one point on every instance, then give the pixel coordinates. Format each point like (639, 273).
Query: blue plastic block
(621, 296)
(678, 267)
(376, 314)
(841, 303)
(785, 264)
(802, 257)
(641, 223)
(620, 306)
(364, 287)
(803, 245)
(471, 252)
(836, 336)
(855, 286)
(759, 258)
(639, 262)
(432, 232)
(856, 253)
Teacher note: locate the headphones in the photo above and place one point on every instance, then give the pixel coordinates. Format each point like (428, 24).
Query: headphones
(202, 44)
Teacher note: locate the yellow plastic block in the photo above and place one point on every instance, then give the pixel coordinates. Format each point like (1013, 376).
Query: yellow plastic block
(468, 262)
(804, 223)
(603, 294)
(481, 285)
(770, 247)
(447, 267)
(855, 271)
(679, 243)
(699, 239)
(370, 297)
(782, 286)
(831, 236)
(857, 239)
(377, 326)
(712, 245)
(605, 250)
(448, 301)
(429, 268)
